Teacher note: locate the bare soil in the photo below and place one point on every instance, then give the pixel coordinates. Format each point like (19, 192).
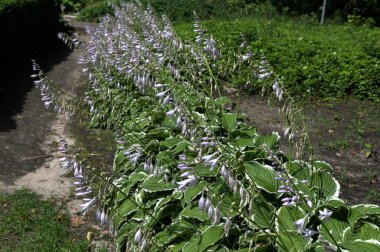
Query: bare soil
(339, 133)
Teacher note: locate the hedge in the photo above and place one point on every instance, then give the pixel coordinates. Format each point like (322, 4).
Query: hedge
(25, 24)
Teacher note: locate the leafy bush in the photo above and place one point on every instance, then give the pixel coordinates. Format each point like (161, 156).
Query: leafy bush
(189, 174)
(94, 11)
(182, 10)
(320, 62)
(25, 23)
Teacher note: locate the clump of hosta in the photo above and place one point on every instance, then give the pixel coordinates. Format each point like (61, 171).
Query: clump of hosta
(189, 175)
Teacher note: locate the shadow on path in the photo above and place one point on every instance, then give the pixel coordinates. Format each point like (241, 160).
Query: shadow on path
(16, 82)
(24, 121)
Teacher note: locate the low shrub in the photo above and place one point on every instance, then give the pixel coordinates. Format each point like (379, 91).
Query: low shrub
(94, 11)
(25, 25)
(189, 174)
(320, 62)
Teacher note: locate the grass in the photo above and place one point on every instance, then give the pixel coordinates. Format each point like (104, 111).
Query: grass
(29, 223)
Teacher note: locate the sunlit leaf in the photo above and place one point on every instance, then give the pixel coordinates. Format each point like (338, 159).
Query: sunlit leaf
(156, 184)
(362, 245)
(195, 213)
(287, 216)
(262, 175)
(229, 122)
(269, 140)
(327, 185)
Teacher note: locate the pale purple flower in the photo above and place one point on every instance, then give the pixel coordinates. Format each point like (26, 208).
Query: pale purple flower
(300, 224)
(171, 112)
(183, 166)
(207, 203)
(162, 94)
(187, 183)
(86, 206)
(138, 236)
(185, 174)
(217, 215)
(325, 214)
(285, 189)
(307, 233)
(227, 226)
(208, 157)
(210, 212)
(201, 202)
(264, 76)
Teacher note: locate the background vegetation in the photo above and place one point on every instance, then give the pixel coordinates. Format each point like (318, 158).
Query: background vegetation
(331, 61)
(28, 21)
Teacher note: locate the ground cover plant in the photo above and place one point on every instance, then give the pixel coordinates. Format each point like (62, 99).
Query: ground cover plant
(332, 61)
(29, 223)
(189, 174)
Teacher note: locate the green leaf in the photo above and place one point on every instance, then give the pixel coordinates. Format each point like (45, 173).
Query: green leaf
(369, 231)
(229, 122)
(221, 101)
(334, 202)
(163, 201)
(361, 245)
(126, 208)
(244, 142)
(300, 170)
(325, 183)
(171, 142)
(263, 214)
(367, 209)
(178, 247)
(269, 140)
(193, 192)
(120, 159)
(210, 237)
(334, 228)
(362, 211)
(287, 216)
(192, 245)
(181, 146)
(174, 231)
(129, 182)
(263, 176)
(228, 205)
(156, 184)
(159, 134)
(204, 171)
(194, 213)
(292, 242)
(322, 166)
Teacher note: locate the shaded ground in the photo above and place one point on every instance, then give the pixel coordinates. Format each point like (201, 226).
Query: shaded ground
(24, 120)
(29, 133)
(345, 134)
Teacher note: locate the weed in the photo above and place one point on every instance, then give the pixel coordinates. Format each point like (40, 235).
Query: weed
(29, 223)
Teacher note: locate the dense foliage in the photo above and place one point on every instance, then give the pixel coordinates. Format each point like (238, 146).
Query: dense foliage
(94, 11)
(25, 25)
(363, 9)
(189, 174)
(320, 62)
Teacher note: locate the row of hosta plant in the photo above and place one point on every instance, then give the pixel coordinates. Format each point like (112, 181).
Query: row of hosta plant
(189, 174)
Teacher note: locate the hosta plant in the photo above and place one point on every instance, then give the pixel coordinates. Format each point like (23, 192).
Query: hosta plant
(189, 174)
